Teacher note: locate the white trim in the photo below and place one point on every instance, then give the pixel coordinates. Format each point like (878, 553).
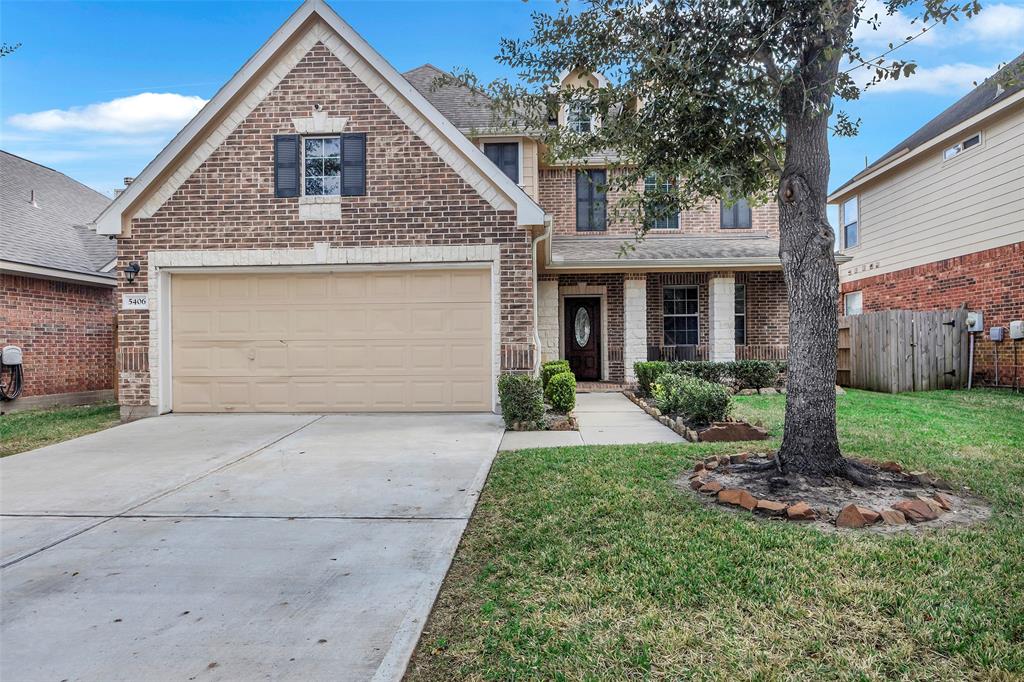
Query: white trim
(602, 80)
(163, 265)
(373, 70)
(900, 157)
(55, 273)
(585, 291)
(959, 147)
(109, 267)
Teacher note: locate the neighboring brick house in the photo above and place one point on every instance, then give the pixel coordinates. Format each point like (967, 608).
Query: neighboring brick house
(938, 221)
(56, 286)
(330, 235)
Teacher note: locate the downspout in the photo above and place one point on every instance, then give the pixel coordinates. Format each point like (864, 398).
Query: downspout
(548, 222)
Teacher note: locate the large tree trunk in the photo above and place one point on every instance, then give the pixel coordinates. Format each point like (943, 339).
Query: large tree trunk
(810, 444)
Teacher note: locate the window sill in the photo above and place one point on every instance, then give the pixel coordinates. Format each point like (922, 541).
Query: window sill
(314, 200)
(320, 208)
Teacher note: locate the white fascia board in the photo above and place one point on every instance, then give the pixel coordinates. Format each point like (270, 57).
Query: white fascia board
(27, 270)
(110, 221)
(655, 264)
(852, 185)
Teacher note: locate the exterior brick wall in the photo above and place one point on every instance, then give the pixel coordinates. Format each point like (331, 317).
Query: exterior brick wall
(413, 199)
(991, 281)
(65, 330)
(615, 302)
(558, 197)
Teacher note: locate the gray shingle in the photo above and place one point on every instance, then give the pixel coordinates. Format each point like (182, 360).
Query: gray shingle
(52, 234)
(570, 250)
(460, 105)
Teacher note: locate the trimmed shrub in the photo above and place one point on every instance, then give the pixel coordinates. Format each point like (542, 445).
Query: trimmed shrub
(754, 373)
(701, 401)
(647, 374)
(702, 369)
(551, 368)
(561, 392)
(522, 399)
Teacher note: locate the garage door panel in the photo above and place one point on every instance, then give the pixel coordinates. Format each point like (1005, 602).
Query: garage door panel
(317, 342)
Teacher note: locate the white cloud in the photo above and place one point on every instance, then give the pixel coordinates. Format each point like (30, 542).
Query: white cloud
(893, 28)
(947, 79)
(147, 112)
(999, 23)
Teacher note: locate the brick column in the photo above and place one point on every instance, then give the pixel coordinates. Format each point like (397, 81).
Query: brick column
(722, 318)
(634, 323)
(547, 319)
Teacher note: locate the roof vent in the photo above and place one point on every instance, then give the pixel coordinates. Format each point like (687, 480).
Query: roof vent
(32, 199)
(128, 181)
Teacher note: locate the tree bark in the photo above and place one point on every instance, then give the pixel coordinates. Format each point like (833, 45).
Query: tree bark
(810, 444)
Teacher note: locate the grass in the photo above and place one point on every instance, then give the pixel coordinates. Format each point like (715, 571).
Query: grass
(21, 431)
(587, 563)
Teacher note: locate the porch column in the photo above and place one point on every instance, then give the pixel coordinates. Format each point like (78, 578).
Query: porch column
(547, 319)
(722, 318)
(634, 319)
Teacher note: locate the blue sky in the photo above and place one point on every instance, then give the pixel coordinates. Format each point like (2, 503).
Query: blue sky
(98, 88)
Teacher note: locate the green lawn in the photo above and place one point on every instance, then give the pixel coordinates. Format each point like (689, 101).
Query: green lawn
(587, 563)
(31, 429)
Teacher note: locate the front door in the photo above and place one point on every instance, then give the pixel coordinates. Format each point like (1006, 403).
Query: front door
(583, 337)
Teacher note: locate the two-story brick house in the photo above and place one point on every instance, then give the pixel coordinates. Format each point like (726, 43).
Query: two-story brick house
(331, 235)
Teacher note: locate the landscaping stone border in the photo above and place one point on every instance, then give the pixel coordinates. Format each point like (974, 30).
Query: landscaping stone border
(717, 432)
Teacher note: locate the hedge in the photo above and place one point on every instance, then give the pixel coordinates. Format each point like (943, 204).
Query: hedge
(754, 373)
(561, 392)
(747, 373)
(551, 368)
(701, 401)
(522, 399)
(647, 374)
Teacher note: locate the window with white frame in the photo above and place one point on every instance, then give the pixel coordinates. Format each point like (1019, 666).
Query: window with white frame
(741, 314)
(853, 302)
(660, 212)
(578, 116)
(962, 146)
(680, 314)
(851, 236)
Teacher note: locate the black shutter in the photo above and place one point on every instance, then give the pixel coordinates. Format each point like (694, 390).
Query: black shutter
(728, 215)
(353, 164)
(286, 165)
(598, 180)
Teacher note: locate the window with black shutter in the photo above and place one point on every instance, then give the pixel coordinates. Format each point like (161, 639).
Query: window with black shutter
(286, 165)
(504, 155)
(328, 165)
(591, 208)
(736, 214)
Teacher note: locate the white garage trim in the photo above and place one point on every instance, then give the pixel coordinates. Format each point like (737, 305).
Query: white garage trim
(321, 258)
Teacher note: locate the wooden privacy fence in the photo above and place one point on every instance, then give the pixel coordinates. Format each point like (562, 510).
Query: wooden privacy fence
(902, 350)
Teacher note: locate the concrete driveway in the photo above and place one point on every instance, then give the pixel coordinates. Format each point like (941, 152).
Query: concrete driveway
(234, 547)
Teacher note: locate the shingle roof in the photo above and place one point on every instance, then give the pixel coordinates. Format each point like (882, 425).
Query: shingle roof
(53, 233)
(465, 108)
(605, 250)
(991, 91)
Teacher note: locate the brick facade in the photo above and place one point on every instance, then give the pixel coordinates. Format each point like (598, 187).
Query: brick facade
(413, 199)
(614, 303)
(558, 197)
(65, 330)
(990, 281)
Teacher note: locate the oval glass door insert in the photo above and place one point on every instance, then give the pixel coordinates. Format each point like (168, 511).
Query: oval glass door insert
(582, 325)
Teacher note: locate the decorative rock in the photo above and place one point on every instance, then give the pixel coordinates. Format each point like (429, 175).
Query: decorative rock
(771, 506)
(943, 501)
(850, 517)
(923, 477)
(936, 507)
(767, 391)
(740, 498)
(916, 511)
(711, 487)
(657, 412)
(692, 436)
(696, 483)
(698, 466)
(723, 459)
(746, 391)
(782, 391)
(870, 515)
(711, 466)
(891, 467)
(738, 459)
(891, 517)
(730, 432)
(709, 460)
(800, 512)
(839, 390)
(942, 483)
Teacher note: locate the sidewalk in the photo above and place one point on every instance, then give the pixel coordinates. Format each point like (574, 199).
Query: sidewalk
(604, 419)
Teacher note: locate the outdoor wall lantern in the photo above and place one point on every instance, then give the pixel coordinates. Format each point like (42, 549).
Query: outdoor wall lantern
(131, 270)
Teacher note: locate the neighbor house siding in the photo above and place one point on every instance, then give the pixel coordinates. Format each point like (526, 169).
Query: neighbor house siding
(413, 198)
(932, 209)
(66, 333)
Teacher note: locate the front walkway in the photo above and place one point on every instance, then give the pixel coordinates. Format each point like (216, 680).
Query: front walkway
(604, 419)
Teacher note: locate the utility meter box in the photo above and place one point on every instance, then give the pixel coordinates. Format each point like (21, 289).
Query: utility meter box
(995, 333)
(975, 321)
(10, 355)
(1017, 330)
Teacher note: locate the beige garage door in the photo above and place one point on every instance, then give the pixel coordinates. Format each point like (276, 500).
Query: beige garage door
(416, 340)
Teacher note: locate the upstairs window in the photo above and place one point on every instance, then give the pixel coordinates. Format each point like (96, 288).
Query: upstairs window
(329, 165)
(578, 117)
(850, 215)
(591, 204)
(736, 215)
(853, 303)
(658, 214)
(504, 155)
(962, 146)
(680, 311)
(741, 315)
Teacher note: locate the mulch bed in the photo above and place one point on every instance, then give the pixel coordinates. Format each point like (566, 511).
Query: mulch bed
(899, 500)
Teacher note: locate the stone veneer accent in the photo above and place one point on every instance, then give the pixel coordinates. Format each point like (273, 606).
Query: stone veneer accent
(547, 318)
(634, 322)
(722, 319)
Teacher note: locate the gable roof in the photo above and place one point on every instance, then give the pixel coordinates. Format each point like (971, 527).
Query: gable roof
(51, 234)
(986, 95)
(467, 109)
(439, 132)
